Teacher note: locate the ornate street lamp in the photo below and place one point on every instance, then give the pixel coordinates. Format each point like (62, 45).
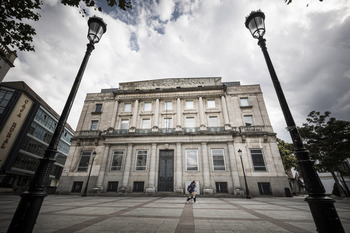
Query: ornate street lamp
(87, 182)
(30, 204)
(245, 179)
(322, 207)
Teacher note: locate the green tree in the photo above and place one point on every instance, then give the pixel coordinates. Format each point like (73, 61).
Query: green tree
(328, 141)
(14, 15)
(286, 152)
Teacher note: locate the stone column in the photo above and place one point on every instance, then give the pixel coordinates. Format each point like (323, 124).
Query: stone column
(152, 170)
(201, 115)
(101, 174)
(134, 116)
(237, 189)
(156, 117)
(225, 113)
(128, 167)
(114, 115)
(179, 183)
(206, 171)
(178, 115)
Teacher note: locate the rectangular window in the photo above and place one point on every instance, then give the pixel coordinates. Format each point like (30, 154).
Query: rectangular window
(168, 105)
(84, 161)
(141, 160)
(5, 96)
(124, 124)
(127, 107)
(112, 186)
(117, 160)
(190, 123)
(221, 187)
(258, 160)
(146, 123)
(138, 186)
(248, 120)
(94, 125)
(192, 160)
(98, 108)
(264, 188)
(168, 123)
(244, 102)
(218, 159)
(211, 103)
(189, 104)
(77, 186)
(213, 121)
(147, 106)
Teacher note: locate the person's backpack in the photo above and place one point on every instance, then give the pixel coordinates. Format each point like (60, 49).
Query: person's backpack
(189, 188)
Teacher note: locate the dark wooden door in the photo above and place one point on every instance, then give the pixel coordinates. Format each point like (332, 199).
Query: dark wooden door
(166, 171)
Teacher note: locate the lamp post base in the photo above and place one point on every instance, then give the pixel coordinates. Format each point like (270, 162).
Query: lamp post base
(24, 218)
(324, 214)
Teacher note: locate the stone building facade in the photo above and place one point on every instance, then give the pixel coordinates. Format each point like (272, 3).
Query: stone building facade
(7, 58)
(156, 136)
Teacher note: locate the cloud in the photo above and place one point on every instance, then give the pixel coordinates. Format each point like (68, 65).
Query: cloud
(309, 48)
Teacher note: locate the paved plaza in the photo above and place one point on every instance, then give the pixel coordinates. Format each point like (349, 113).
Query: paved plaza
(64, 214)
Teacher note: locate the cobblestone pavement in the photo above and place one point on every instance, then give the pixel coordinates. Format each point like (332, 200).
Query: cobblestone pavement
(65, 214)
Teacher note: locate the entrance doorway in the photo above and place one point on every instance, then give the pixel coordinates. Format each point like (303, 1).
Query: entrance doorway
(166, 171)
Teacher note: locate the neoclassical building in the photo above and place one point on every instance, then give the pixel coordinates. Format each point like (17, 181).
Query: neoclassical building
(157, 135)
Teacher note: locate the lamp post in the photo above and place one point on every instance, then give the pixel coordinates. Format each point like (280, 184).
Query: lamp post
(322, 207)
(245, 179)
(29, 206)
(87, 182)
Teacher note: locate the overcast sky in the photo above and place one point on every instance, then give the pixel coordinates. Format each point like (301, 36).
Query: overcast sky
(308, 45)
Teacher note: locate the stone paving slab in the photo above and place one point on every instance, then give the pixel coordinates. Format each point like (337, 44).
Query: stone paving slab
(105, 214)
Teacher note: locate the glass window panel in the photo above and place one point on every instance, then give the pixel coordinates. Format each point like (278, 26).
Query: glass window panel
(189, 104)
(248, 120)
(117, 160)
(213, 121)
(218, 159)
(211, 103)
(98, 108)
(127, 107)
(141, 160)
(258, 160)
(168, 105)
(192, 160)
(5, 96)
(168, 123)
(124, 124)
(244, 102)
(84, 161)
(190, 123)
(94, 125)
(147, 106)
(146, 123)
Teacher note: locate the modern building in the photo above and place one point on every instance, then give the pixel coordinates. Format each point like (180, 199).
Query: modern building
(27, 124)
(7, 57)
(158, 135)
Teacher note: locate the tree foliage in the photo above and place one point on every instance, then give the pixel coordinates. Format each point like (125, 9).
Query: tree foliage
(13, 30)
(16, 32)
(327, 139)
(286, 151)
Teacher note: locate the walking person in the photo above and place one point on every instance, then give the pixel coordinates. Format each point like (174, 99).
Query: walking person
(191, 189)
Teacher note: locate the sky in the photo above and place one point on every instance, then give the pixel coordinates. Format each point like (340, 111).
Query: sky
(308, 42)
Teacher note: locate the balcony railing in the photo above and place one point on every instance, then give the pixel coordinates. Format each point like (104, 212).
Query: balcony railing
(215, 129)
(193, 130)
(143, 131)
(88, 133)
(252, 129)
